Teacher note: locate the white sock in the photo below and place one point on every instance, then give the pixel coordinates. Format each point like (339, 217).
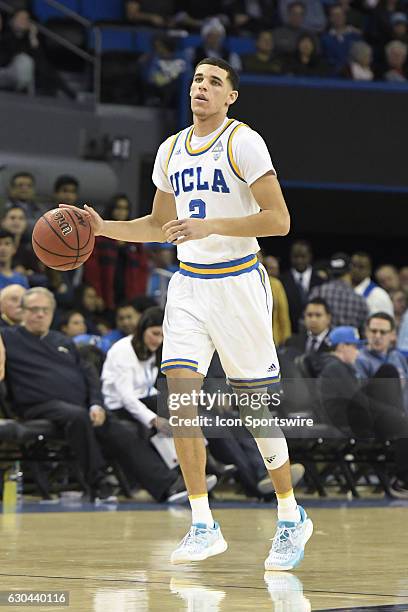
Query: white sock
(287, 507)
(201, 510)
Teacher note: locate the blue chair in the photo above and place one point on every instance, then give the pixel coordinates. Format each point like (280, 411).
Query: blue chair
(143, 40)
(114, 40)
(43, 11)
(240, 45)
(102, 10)
(191, 41)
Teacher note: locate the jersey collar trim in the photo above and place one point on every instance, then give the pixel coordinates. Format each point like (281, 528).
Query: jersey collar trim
(208, 146)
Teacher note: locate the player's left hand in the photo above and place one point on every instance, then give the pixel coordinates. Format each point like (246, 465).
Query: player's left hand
(183, 230)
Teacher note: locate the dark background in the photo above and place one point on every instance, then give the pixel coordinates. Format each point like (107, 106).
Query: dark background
(316, 135)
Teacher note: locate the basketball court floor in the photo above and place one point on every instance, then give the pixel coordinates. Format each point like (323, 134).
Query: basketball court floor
(116, 558)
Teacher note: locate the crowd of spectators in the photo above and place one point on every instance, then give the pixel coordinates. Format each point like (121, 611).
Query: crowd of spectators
(360, 40)
(95, 333)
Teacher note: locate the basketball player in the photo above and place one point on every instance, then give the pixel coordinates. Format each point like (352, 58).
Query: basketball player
(217, 191)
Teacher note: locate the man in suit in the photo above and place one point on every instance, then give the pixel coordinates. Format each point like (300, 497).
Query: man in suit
(299, 280)
(313, 338)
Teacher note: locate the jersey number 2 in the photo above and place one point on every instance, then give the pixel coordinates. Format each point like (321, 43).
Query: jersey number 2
(197, 208)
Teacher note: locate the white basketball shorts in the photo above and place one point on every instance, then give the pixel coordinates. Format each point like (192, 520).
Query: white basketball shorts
(225, 307)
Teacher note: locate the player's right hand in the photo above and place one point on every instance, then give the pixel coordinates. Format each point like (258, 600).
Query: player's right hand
(94, 218)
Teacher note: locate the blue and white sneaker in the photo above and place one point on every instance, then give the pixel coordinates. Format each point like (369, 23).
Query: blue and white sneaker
(288, 545)
(200, 543)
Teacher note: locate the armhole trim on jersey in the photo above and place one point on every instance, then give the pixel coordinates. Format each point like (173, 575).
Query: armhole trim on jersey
(172, 147)
(230, 156)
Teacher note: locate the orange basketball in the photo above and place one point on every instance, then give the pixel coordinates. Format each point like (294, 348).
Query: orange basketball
(63, 238)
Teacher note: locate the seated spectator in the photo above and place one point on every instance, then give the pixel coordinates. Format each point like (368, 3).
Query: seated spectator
(299, 280)
(377, 299)
(153, 13)
(87, 301)
(8, 276)
(16, 71)
(396, 58)
(24, 261)
(163, 266)
(380, 27)
(72, 323)
(313, 338)
(347, 308)
(271, 263)
(264, 60)
(307, 61)
(402, 340)
(354, 16)
(403, 277)
(359, 66)
(161, 71)
(370, 410)
(314, 19)
(130, 371)
(250, 16)
(399, 300)
(22, 193)
(128, 378)
(337, 41)
(22, 39)
(47, 379)
(286, 36)
(399, 25)
(11, 312)
(66, 190)
(387, 277)
(117, 270)
(192, 15)
(127, 318)
(380, 333)
(213, 39)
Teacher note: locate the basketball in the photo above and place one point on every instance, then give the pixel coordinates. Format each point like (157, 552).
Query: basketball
(63, 238)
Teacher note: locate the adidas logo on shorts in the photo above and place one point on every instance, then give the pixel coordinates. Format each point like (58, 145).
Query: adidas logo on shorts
(270, 459)
(271, 368)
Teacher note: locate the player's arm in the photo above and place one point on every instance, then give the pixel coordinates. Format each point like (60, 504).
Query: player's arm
(272, 220)
(144, 229)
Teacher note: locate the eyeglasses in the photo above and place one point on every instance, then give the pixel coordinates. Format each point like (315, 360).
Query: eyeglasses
(38, 309)
(382, 332)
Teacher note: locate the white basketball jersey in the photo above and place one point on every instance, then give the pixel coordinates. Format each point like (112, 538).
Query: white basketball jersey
(213, 181)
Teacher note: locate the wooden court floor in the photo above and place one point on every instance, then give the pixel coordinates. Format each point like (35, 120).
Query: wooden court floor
(117, 561)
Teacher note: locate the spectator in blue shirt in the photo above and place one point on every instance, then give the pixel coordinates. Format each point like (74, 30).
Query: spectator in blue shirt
(402, 342)
(380, 332)
(336, 43)
(7, 251)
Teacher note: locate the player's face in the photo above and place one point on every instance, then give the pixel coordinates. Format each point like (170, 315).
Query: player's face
(37, 314)
(211, 91)
(153, 338)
